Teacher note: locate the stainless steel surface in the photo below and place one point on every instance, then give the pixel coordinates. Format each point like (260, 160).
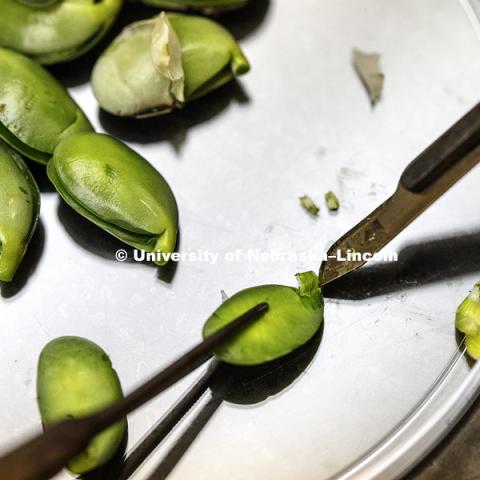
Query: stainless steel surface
(238, 161)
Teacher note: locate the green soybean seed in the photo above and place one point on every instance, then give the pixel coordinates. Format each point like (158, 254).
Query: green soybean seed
(19, 210)
(293, 317)
(52, 31)
(118, 190)
(205, 6)
(467, 320)
(36, 112)
(473, 346)
(157, 65)
(75, 379)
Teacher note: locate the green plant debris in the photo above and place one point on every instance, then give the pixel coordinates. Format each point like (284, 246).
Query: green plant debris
(332, 201)
(367, 66)
(467, 320)
(309, 205)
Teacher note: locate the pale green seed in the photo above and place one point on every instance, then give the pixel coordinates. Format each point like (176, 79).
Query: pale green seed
(157, 65)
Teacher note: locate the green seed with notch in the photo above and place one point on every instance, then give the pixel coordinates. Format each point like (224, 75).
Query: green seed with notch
(293, 317)
(157, 65)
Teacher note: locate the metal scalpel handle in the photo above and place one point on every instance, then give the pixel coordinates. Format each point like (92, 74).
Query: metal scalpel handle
(444, 153)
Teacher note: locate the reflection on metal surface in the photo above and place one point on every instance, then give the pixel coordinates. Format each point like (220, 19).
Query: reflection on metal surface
(175, 454)
(420, 431)
(157, 435)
